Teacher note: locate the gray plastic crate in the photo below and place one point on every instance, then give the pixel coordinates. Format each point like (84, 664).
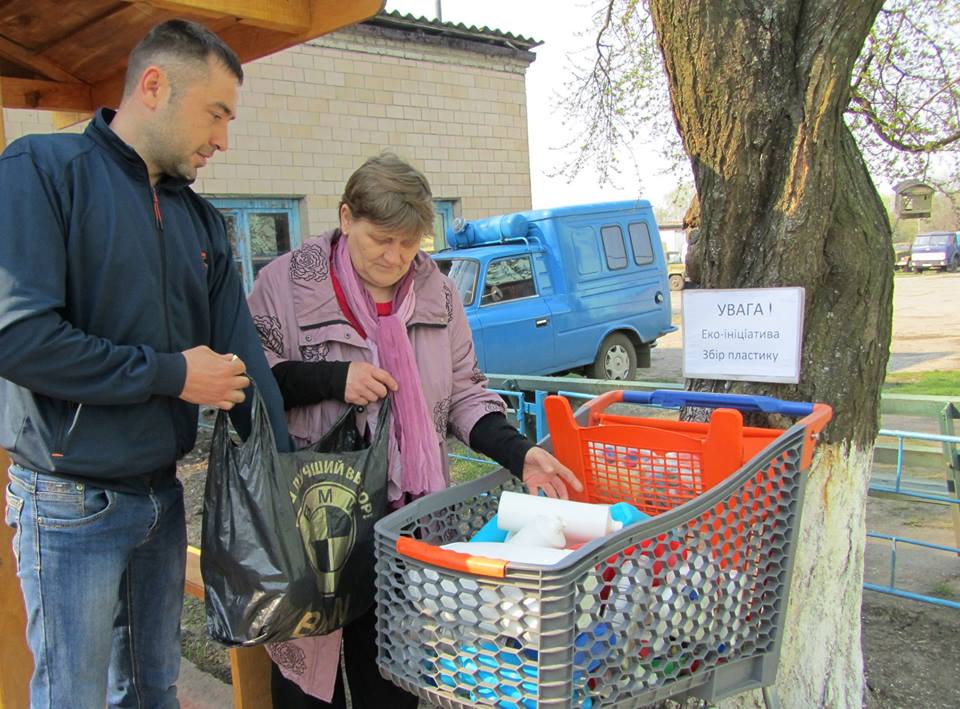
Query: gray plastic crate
(690, 602)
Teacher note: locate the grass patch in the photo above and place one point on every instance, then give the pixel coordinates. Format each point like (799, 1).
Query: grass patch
(196, 645)
(943, 590)
(462, 471)
(935, 383)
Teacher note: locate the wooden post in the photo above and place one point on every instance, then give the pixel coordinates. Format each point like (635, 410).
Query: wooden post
(249, 666)
(3, 135)
(250, 670)
(16, 662)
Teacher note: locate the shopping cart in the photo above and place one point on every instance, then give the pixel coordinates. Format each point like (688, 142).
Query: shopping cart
(687, 603)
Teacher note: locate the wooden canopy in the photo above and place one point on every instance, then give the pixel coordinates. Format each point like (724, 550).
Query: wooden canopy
(70, 55)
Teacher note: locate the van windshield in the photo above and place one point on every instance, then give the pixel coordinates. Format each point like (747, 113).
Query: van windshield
(463, 272)
(932, 240)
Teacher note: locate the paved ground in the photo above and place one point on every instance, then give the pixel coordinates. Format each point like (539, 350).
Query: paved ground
(198, 690)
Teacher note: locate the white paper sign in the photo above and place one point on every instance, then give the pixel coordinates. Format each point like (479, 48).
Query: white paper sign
(751, 334)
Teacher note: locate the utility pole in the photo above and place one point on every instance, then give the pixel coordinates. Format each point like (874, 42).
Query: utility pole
(439, 11)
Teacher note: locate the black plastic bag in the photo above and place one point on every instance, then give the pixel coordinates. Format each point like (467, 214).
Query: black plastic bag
(288, 537)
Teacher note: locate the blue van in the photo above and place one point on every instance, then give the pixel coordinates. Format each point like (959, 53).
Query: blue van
(573, 289)
(936, 249)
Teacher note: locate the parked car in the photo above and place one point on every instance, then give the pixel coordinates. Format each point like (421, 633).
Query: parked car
(676, 271)
(901, 257)
(937, 249)
(573, 289)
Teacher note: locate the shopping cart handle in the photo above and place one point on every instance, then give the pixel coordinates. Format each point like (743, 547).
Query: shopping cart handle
(671, 399)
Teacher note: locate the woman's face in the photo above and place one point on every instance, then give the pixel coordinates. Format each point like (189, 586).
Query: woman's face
(380, 257)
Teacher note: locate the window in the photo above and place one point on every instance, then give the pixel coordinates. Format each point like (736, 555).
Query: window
(642, 246)
(508, 279)
(259, 230)
(269, 237)
(932, 240)
(463, 272)
(613, 247)
(443, 213)
(585, 251)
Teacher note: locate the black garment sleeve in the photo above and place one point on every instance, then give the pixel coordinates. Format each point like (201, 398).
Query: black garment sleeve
(496, 438)
(305, 383)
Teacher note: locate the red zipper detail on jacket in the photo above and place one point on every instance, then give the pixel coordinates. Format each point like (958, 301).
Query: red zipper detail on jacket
(156, 210)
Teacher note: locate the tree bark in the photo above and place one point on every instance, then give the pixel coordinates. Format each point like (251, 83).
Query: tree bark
(758, 90)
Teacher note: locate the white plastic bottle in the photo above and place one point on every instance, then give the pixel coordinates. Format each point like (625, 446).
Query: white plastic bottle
(542, 531)
(582, 522)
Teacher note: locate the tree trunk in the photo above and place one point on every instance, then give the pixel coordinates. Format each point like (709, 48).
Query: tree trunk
(758, 91)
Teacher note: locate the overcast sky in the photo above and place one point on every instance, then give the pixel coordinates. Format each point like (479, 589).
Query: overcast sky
(561, 26)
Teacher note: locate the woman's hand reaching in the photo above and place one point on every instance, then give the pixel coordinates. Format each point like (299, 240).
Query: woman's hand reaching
(541, 471)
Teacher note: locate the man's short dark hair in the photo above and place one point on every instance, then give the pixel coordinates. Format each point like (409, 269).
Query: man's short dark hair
(183, 41)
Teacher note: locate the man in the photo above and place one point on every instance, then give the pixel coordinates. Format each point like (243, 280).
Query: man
(120, 311)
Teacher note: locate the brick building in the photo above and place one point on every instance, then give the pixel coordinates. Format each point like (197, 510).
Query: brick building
(448, 98)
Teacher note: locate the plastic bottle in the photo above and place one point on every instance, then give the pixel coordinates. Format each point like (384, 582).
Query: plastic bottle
(542, 531)
(626, 514)
(582, 522)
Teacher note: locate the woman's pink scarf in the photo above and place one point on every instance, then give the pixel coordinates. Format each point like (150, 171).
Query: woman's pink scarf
(415, 466)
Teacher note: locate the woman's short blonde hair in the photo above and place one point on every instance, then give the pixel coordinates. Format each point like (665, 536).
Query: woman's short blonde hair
(390, 193)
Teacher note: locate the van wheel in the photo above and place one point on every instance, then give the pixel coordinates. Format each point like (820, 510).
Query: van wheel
(954, 264)
(676, 282)
(617, 359)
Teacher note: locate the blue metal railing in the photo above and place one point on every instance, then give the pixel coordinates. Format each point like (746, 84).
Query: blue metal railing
(891, 588)
(907, 487)
(903, 486)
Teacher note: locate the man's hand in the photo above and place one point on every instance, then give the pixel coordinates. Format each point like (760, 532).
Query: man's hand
(214, 379)
(366, 384)
(541, 471)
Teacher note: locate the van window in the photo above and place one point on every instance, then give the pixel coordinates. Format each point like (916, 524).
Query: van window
(586, 253)
(932, 240)
(508, 279)
(613, 247)
(463, 272)
(642, 246)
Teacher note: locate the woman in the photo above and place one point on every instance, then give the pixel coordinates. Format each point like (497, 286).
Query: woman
(352, 316)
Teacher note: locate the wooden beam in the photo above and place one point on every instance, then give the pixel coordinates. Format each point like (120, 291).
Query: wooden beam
(47, 95)
(108, 92)
(24, 57)
(289, 16)
(328, 16)
(16, 663)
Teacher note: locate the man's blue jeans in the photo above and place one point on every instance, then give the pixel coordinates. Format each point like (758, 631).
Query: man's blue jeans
(102, 577)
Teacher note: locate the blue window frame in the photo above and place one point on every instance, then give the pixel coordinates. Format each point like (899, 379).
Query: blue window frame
(259, 230)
